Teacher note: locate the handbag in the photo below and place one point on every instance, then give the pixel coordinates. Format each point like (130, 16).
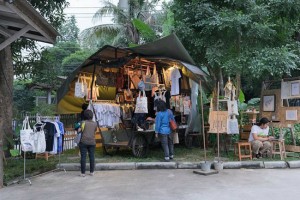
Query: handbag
(141, 103)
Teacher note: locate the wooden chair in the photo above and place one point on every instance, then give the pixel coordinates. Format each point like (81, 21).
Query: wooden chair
(243, 144)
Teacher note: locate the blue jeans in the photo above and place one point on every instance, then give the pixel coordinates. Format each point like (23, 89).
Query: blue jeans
(167, 144)
(83, 150)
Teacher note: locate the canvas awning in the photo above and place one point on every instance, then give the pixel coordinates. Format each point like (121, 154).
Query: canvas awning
(167, 51)
(20, 19)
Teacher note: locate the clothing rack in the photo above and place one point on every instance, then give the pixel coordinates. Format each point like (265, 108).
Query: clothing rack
(46, 154)
(104, 101)
(24, 162)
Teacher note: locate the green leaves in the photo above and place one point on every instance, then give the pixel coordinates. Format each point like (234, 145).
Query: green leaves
(145, 30)
(254, 38)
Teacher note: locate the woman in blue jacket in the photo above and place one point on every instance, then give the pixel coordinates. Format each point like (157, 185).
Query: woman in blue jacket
(163, 130)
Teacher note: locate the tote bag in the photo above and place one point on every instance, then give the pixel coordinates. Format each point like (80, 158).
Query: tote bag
(80, 87)
(147, 80)
(77, 138)
(141, 103)
(154, 77)
(175, 138)
(25, 136)
(232, 126)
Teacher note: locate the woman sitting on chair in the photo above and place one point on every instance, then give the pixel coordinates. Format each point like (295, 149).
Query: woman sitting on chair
(259, 138)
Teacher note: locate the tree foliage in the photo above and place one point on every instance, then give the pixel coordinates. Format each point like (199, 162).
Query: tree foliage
(241, 36)
(52, 11)
(69, 31)
(134, 24)
(74, 60)
(49, 66)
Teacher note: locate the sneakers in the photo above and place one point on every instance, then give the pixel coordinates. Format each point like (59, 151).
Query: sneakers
(258, 156)
(167, 159)
(139, 128)
(171, 157)
(92, 173)
(82, 175)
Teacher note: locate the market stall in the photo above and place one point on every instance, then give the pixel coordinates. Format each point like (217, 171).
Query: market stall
(122, 85)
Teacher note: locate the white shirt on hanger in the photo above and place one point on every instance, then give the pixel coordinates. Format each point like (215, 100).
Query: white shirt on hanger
(175, 76)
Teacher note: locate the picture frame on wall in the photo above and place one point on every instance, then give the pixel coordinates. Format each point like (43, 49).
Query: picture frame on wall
(269, 103)
(295, 88)
(291, 115)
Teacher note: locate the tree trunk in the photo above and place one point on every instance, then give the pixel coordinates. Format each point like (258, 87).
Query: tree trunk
(238, 85)
(6, 100)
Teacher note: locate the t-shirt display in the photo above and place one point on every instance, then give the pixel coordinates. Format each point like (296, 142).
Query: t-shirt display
(175, 76)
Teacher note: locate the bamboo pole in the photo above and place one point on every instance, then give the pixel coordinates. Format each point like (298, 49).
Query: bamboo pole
(218, 136)
(202, 115)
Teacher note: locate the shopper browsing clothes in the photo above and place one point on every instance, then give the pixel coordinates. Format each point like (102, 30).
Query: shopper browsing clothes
(87, 142)
(163, 130)
(259, 138)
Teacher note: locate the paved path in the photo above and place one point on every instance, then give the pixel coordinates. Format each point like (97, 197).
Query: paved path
(239, 184)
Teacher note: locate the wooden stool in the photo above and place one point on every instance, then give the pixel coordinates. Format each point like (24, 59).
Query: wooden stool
(278, 147)
(245, 145)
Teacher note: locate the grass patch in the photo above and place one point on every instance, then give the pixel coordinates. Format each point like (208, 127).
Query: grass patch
(14, 167)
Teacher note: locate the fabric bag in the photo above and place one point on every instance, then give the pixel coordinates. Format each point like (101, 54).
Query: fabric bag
(77, 138)
(141, 103)
(128, 95)
(80, 87)
(232, 126)
(147, 80)
(175, 138)
(25, 136)
(154, 77)
(95, 92)
(135, 80)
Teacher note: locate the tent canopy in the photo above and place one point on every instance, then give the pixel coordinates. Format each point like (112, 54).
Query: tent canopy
(167, 51)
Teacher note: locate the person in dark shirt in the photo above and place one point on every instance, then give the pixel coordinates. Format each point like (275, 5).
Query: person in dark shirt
(87, 142)
(84, 106)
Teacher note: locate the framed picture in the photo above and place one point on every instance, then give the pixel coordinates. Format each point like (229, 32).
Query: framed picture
(291, 115)
(269, 103)
(295, 89)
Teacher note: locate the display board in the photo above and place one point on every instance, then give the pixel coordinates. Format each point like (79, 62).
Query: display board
(218, 121)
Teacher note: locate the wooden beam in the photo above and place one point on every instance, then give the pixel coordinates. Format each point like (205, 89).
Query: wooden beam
(4, 32)
(14, 37)
(11, 21)
(32, 17)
